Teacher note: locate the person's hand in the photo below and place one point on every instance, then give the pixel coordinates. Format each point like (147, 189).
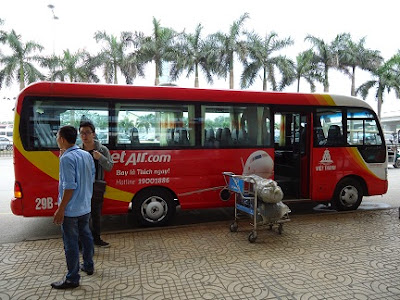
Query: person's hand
(96, 154)
(58, 217)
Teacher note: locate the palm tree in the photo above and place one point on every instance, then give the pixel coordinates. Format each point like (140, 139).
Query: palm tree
(19, 63)
(114, 58)
(326, 55)
(74, 67)
(385, 78)
(146, 121)
(356, 55)
(2, 33)
(52, 63)
(260, 52)
(306, 68)
(159, 47)
(192, 54)
(225, 47)
(89, 67)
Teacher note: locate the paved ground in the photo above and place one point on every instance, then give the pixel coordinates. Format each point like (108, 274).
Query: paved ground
(324, 256)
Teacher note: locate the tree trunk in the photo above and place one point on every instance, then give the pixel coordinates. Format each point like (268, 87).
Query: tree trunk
(353, 82)
(21, 78)
(326, 81)
(115, 74)
(265, 80)
(196, 76)
(157, 81)
(231, 85)
(380, 100)
(298, 84)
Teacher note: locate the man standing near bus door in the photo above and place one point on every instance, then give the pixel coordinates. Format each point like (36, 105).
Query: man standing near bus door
(75, 186)
(102, 160)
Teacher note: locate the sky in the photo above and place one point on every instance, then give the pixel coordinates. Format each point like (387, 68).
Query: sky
(79, 20)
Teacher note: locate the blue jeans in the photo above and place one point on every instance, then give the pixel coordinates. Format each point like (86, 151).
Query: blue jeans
(73, 230)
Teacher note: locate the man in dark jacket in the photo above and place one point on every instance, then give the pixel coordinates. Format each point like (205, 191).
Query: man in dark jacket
(103, 162)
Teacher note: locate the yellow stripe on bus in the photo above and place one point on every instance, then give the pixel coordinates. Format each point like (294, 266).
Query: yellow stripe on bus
(48, 163)
(360, 161)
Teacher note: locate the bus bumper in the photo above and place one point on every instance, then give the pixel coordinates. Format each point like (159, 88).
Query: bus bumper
(16, 206)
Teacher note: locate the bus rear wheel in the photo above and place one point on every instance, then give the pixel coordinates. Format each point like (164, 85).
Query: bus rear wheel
(348, 195)
(154, 207)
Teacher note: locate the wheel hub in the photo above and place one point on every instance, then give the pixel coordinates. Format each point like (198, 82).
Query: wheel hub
(154, 209)
(349, 196)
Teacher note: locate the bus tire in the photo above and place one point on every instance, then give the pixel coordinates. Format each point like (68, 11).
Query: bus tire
(348, 195)
(154, 207)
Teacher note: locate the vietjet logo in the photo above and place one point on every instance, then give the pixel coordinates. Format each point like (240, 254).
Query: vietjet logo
(326, 163)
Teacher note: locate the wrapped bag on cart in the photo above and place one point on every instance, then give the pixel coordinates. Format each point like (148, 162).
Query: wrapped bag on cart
(270, 207)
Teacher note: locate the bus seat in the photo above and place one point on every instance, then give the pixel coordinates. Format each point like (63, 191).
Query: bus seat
(210, 138)
(242, 137)
(135, 136)
(334, 136)
(45, 136)
(170, 136)
(226, 137)
(235, 136)
(184, 137)
(319, 136)
(181, 137)
(218, 135)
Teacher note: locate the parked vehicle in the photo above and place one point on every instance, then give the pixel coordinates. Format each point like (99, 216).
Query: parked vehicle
(5, 143)
(330, 149)
(394, 155)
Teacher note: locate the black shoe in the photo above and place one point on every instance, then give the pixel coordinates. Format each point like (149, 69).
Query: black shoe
(66, 284)
(101, 243)
(89, 272)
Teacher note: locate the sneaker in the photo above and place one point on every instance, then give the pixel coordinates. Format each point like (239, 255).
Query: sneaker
(101, 243)
(64, 284)
(89, 272)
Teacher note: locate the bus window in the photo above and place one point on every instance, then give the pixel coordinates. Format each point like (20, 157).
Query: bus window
(328, 127)
(47, 116)
(236, 126)
(155, 125)
(363, 132)
(362, 129)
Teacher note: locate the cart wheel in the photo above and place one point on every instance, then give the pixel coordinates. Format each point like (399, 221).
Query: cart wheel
(233, 227)
(280, 228)
(252, 237)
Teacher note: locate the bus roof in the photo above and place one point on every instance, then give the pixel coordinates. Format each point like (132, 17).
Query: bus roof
(109, 91)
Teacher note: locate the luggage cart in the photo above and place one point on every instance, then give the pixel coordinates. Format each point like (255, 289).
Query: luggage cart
(245, 188)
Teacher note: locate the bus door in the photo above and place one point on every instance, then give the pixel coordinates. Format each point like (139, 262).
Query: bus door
(292, 153)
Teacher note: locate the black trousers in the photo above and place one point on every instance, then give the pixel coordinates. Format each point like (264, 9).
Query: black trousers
(97, 206)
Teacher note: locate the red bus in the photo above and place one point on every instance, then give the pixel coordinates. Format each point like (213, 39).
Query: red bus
(170, 145)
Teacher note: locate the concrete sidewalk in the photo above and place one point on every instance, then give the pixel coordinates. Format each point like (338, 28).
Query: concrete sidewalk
(352, 255)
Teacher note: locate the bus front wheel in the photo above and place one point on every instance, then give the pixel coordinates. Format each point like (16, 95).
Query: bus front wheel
(348, 195)
(154, 207)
